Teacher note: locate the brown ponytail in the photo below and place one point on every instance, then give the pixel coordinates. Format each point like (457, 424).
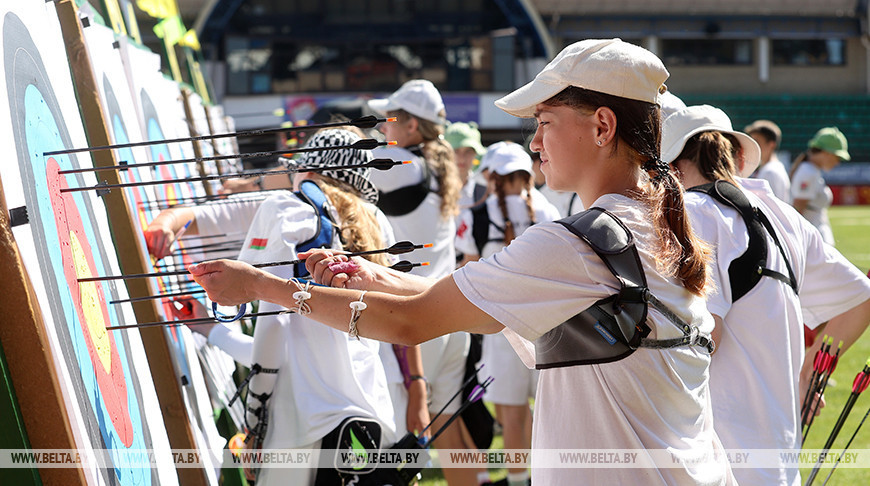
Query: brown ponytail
(681, 252)
(803, 157)
(499, 183)
(713, 153)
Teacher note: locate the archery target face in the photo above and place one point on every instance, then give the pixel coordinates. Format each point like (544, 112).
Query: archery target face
(67, 238)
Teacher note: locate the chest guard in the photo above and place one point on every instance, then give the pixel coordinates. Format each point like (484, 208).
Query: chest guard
(405, 200)
(746, 271)
(614, 327)
(480, 223)
(311, 193)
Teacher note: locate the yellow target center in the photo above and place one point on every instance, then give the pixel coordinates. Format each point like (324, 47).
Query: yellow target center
(92, 308)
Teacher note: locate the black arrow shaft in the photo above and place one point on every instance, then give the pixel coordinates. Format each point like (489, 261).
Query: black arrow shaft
(392, 249)
(364, 144)
(840, 456)
(198, 320)
(211, 246)
(216, 177)
(153, 297)
(219, 199)
(362, 122)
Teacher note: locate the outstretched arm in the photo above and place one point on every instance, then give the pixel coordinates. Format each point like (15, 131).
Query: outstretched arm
(403, 319)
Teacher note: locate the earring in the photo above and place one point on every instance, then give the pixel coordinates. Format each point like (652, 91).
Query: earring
(598, 142)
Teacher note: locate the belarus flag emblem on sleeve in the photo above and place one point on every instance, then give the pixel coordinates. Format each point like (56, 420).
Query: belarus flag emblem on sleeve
(258, 243)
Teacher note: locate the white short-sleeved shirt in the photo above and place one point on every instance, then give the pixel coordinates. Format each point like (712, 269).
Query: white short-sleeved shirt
(836, 285)
(518, 214)
(777, 177)
(809, 183)
(653, 399)
(228, 217)
(755, 371)
(567, 203)
(424, 224)
(314, 390)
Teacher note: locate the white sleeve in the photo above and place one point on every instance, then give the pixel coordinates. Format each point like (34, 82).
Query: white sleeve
(399, 176)
(218, 217)
(805, 184)
(831, 284)
(464, 240)
(236, 344)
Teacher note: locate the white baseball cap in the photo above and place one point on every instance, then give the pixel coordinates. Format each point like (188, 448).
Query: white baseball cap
(670, 104)
(684, 124)
(504, 158)
(418, 97)
(608, 66)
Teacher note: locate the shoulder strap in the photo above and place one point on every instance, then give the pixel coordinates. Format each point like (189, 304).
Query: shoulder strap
(480, 224)
(619, 319)
(311, 193)
(746, 270)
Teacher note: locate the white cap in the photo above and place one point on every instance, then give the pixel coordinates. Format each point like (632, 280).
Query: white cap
(506, 157)
(608, 66)
(670, 104)
(686, 123)
(418, 97)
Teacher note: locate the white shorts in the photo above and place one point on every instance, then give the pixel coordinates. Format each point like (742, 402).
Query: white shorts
(513, 382)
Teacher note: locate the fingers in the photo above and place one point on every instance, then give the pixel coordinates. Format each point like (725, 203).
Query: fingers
(156, 240)
(205, 268)
(318, 266)
(212, 276)
(821, 399)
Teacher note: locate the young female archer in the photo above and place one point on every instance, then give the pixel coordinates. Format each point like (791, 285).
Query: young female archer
(598, 135)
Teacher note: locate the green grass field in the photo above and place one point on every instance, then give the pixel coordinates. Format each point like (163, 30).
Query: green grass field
(851, 226)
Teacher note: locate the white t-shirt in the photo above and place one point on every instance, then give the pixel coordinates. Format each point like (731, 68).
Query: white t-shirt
(809, 183)
(424, 224)
(519, 215)
(466, 196)
(653, 399)
(512, 379)
(567, 203)
(775, 174)
(232, 215)
(755, 372)
(324, 375)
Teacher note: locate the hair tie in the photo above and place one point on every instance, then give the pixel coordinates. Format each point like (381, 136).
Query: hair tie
(656, 164)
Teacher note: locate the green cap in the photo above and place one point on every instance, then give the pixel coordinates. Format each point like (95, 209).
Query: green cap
(461, 134)
(831, 139)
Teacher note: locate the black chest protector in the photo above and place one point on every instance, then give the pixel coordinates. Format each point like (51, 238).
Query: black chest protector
(404, 200)
(746, 271)
(480, 223)
(614, 327)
